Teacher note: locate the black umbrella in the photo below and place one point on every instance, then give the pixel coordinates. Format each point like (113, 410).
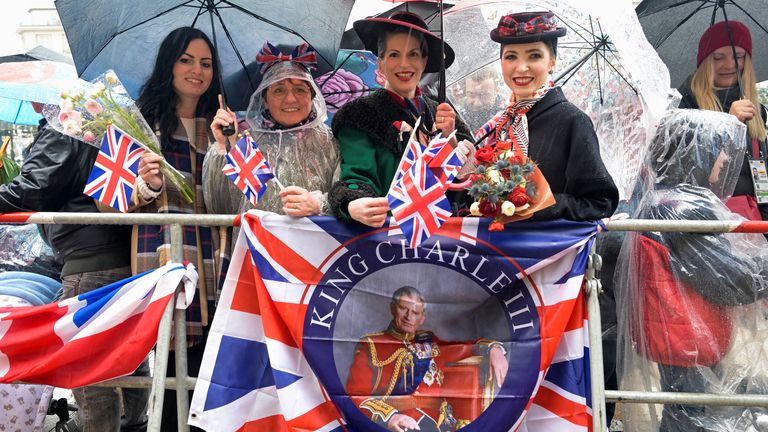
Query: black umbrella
(674, 27)
(125, 35)
(37, 53)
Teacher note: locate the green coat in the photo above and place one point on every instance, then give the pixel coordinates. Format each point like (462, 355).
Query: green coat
(371, 148)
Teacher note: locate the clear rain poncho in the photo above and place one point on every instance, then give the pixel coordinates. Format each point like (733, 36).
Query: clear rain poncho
(690, 306)
(304, 155)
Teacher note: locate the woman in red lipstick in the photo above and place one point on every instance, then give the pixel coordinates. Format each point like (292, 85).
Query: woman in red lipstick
(539, 119)
(373, 130)
(715, 86)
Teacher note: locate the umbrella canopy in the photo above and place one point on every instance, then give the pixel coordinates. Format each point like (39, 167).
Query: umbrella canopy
(674, 27)
(124, 36)
(37, 53)
(31, 81)
(428, 10)
(605, 67)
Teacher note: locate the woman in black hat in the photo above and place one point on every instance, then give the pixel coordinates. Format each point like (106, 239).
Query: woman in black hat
(553, 132)
(373, 130)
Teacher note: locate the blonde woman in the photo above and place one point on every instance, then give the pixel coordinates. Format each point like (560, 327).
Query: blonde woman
(715, 86)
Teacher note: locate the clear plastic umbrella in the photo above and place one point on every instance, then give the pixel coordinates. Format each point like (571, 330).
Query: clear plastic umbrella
(605, 66)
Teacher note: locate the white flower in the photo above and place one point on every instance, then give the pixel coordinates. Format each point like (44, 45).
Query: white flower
(64, 94)
(66, 105)
(111, 78)
(474, 209)
(507, 209)
(494, 176)
(72, 129)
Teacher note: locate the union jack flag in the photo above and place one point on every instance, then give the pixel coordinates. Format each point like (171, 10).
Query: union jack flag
(248, 168)
(417, 195)
(419, 204)
(115, 170)
(298, 295)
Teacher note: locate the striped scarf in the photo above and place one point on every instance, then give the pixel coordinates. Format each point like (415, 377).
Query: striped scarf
(512, 123)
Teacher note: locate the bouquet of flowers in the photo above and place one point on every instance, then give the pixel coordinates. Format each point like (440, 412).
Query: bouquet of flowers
(506, 185)
(85, 112)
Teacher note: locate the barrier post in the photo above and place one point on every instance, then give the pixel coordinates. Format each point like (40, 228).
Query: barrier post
(593, 288)
(157, 393)
(180, 341)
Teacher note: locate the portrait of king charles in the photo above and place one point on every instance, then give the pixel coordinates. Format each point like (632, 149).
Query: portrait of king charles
(404, 378)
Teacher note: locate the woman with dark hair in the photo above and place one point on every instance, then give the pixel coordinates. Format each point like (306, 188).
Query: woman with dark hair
(179, 100)
(549, 129)
(373, 130)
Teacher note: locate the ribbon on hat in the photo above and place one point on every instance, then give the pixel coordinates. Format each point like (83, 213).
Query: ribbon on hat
(303, 54)
(508, 26)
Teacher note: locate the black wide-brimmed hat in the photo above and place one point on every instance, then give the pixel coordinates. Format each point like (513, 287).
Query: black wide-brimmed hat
(527, 27)
(369, 30)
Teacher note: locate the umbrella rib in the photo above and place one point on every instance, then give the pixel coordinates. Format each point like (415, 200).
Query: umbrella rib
(281, 27)
(666, 8)
(111, 38)
(621, 75)
(336, 69)
(234, 47)
(749, 15)
(685, 20)
(151, 18)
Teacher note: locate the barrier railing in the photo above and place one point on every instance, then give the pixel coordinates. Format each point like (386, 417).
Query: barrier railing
(159, 382)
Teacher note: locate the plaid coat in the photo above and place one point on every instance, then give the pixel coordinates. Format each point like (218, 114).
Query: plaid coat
(150, 244)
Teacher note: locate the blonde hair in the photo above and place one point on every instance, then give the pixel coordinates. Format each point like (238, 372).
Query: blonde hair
(703, 88)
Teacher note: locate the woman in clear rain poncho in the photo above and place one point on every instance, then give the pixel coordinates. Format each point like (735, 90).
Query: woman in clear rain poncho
(684, 296)
(285, 118)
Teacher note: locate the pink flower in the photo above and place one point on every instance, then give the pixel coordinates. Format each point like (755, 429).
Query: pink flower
(94, 108)
(89, 136)
(340, 87)
(70, 116)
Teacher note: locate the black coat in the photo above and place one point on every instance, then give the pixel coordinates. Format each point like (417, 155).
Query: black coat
(52, 179)
(563, 143)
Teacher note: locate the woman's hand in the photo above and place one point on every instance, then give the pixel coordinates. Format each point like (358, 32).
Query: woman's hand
(149, 170)
(222, 119)
(743, 109)
(369, 211)
(445, 120)
(298, 202)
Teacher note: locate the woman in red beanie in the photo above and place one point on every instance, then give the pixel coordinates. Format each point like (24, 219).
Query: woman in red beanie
(714, 86)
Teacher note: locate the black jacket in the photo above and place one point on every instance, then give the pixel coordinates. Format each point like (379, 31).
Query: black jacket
(744, 185)
(52, 179)
(564, 145)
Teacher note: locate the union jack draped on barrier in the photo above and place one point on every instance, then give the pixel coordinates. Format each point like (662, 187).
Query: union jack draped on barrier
(93, 337)
(306, 314)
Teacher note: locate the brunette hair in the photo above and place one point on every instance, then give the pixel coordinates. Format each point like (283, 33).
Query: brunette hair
(381, 42)
(158, 99)
(703, 89)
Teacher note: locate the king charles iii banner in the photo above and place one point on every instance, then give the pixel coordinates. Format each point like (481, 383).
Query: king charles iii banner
(324, 326)
(93, 337)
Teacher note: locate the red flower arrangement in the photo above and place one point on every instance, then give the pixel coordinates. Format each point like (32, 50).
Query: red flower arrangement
(502, 184)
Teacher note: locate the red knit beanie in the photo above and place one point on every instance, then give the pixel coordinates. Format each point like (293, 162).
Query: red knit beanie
(717, 37)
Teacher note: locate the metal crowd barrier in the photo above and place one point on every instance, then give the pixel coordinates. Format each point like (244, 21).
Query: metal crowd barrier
(159, 382)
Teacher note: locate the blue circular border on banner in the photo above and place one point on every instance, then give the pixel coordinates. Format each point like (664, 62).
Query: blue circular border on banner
(360, 260)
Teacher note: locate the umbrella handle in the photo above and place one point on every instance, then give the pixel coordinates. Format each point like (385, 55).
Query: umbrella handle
(228, 130)
(460, 186)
